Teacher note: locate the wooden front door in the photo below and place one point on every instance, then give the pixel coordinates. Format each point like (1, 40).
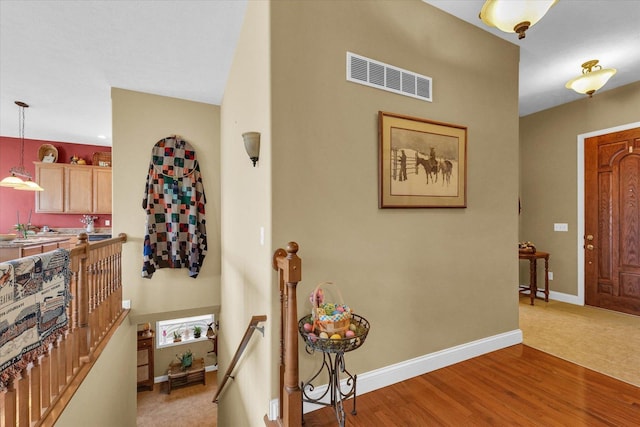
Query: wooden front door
(612, 221)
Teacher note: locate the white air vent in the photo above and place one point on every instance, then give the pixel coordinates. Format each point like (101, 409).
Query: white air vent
(377, 74)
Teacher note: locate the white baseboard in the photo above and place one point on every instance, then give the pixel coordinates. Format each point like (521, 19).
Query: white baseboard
(383, 377)
(569, 299)
(164, 378)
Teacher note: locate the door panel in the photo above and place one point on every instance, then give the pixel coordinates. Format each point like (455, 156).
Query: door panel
(612, 221)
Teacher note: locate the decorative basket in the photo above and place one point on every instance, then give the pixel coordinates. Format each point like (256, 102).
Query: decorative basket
(101, 158)
(358, 324)
(330, 317)
(48, 153)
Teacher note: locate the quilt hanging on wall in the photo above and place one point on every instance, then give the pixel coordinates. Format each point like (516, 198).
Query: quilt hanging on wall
(174, 202)
(34, 295)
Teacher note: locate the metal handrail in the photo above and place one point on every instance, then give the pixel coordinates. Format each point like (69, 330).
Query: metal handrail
(253, 325)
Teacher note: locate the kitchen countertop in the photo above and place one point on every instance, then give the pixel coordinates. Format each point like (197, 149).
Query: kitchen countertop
(32, 241)
(52, 236)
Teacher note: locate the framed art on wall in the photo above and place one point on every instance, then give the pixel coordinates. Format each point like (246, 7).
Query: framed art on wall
(422, 163)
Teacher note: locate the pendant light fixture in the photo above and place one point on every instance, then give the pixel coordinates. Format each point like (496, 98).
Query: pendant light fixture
(514, 16)
(593, 78)
(16, 172)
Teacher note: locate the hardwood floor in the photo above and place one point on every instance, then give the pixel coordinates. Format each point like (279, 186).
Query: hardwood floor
(516, 386)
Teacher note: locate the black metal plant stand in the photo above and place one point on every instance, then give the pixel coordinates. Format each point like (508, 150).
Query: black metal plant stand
(333, 365)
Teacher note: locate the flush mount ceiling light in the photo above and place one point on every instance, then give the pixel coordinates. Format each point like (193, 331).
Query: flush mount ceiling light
(16, 172)
(593, 78)
(514, 16)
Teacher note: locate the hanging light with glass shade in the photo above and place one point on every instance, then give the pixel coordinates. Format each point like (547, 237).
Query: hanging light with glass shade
(514, 16)
(14, 180)
(593, 78)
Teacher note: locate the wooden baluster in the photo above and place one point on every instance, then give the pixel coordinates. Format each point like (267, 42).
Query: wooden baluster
(22, 395)
(8, 405)
(62, 362)
(73, 318)
(54, 355)
(84, 332)
(70, 345)
(45, 375)
(35, 391)
(291, 269)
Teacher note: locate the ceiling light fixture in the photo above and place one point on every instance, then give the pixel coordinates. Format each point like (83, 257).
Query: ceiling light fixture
(14, 181)
(514, 16)
(593, 78)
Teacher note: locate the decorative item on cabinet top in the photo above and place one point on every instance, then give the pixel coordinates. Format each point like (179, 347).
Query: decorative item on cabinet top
(101, 158)
(47, 153)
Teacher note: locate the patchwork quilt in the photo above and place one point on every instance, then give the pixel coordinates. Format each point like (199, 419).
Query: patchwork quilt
(34, 296)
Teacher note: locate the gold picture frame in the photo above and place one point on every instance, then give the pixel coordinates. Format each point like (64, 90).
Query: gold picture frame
(422, 163)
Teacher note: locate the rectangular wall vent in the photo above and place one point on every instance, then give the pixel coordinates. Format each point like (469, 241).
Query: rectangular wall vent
(370, 72)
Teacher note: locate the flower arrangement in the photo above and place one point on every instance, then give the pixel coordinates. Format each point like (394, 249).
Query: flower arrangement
(88, 219)
(23, 228)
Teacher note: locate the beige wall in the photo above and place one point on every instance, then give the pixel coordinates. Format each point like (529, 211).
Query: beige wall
(426, 279)
(246, 207)
(139, 121)
(548, 175)
(107, 396)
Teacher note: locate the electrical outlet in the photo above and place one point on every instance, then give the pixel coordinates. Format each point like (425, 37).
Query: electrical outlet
(107, 222)
(560, 227)
(550, 275)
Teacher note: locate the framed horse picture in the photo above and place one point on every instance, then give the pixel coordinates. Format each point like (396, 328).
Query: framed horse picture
(423, 164)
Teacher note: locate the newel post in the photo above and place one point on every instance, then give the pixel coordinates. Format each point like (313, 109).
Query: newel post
(289, 266)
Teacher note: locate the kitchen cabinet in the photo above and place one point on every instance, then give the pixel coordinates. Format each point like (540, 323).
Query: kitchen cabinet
(50, 176)
(73, 189)
(78, 187)
(102, 190)
(32, 246)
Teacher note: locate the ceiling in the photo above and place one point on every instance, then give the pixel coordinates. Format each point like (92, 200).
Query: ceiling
(63, 57)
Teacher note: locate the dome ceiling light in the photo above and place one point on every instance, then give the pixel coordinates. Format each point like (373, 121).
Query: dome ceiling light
(593, 78)
(514, 16)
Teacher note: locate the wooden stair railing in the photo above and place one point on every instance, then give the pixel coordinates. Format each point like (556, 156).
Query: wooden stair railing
(289, 268)
(253, 325)
(39, 396)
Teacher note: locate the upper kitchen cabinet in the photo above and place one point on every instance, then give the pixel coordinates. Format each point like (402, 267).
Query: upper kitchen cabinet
(102, 190)
(73, 189)
(78, 185)
(50, 176)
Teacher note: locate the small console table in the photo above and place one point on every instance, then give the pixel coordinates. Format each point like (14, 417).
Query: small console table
(191, 375)
(533, 257)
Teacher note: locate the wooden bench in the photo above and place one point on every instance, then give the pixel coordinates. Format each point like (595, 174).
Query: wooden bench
(181, 377)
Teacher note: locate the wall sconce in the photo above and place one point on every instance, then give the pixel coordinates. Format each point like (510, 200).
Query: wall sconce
(514, 16)
(590, 80)
(252, 145)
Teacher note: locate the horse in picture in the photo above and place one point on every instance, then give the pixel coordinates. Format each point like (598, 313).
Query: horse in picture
(446, 167)
(430, 166)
